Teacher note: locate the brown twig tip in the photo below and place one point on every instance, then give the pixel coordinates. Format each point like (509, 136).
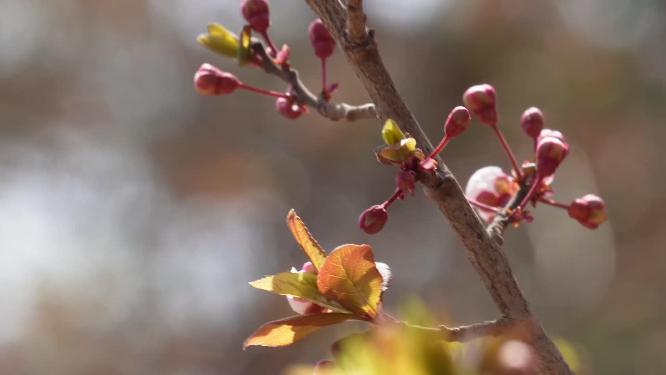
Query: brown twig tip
(497, 327)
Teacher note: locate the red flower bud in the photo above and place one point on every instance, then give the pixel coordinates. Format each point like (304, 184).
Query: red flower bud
(532, 121)
(209, 80)
(550, 152)
(288, 108)
(373, 219)
(589, 210)
(257, 14)
(321, 40)
(480, 99)
(457, 122)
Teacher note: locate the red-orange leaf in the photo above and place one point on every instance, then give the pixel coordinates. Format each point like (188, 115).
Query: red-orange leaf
(350, 277)
(302, 235)
(287, 331)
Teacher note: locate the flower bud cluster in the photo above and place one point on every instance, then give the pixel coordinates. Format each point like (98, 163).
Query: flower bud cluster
(211, 81)
(490, 190)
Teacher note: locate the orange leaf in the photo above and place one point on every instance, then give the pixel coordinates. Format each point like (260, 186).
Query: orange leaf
(302, 235)
(287, 331)
(350, 277)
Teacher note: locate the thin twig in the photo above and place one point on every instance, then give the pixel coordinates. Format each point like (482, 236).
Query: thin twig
(502, 326)
(332, 111)
(483, 251)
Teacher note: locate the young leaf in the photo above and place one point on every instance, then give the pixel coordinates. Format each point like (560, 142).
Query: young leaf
(391, 133)
(287, 331)
(350, 277)
(296, 284)
(220, 40)
(244, 52)
(307, 242)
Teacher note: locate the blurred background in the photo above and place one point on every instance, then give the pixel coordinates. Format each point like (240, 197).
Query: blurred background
(134, 212)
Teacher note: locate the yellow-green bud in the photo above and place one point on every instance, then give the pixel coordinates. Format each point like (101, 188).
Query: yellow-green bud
(220, 40)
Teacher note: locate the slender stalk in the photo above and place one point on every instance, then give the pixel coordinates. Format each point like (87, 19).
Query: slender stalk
(445, 140)
(272, 50)
(397, 194)
(483, 206)
(508, 151)
(257, 90)
(554, 203)
(530, 193)
(324, 88)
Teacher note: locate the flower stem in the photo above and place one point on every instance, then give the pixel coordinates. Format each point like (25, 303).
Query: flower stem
(257, 90)
(445, 140)
(483, 206)
(272, 50)
(397, 194)
(530, 193)
(554, 203)
(324, 89)
(508, 151)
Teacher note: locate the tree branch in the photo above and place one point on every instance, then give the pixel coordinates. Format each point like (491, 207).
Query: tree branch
(332, 111)
(483, 251)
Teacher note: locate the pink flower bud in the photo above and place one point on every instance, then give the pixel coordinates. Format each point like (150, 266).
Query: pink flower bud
(457, 122)
(490, 186)
(308, 267)
(551, 150)
(302, 306)
(321, 40)
(288, 108)
(209, 80)
(372, 220)
(406, 181)
(480, 99)
(532, 121)
(257, 14)
(589, 210)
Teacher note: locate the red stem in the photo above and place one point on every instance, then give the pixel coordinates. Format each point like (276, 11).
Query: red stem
(483, 206)
(274, 94)
(445, 140)
(396, 195)
(323, 76)
(267, 39)
(508, 151)
(530, 193)
(553, 203)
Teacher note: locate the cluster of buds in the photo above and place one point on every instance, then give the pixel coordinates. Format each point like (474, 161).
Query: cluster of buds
(211, 81)
(399, 150)
(490, 190)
